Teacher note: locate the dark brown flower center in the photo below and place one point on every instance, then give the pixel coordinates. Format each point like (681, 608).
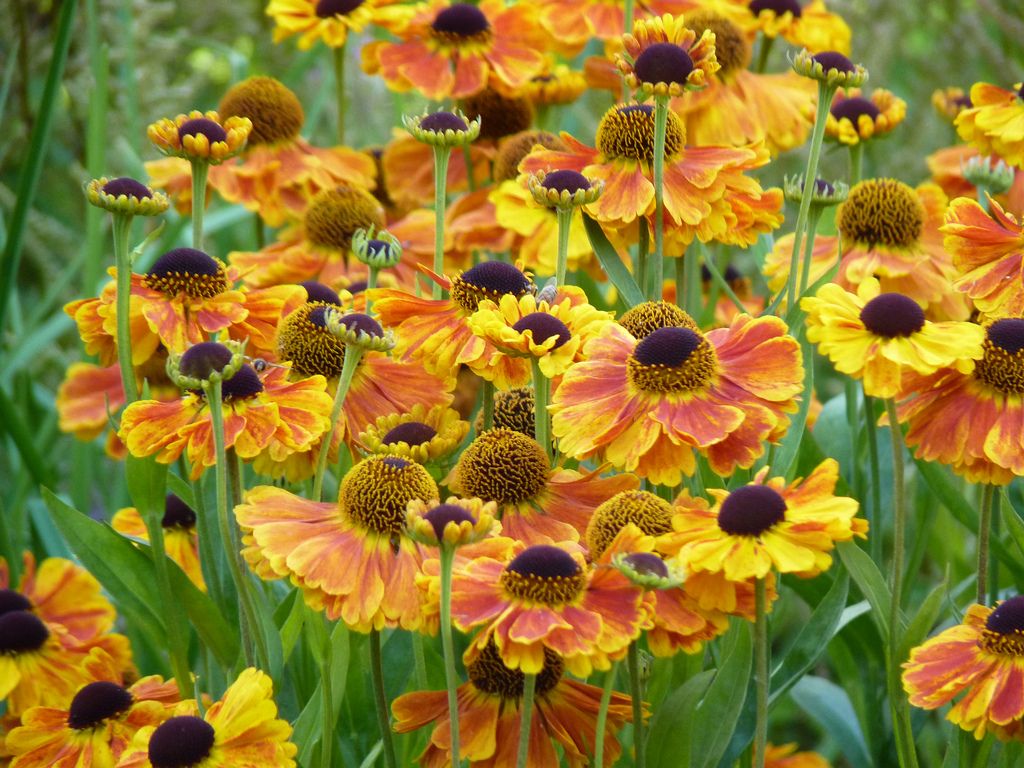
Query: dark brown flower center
(439, 122)
(731, 47)
(892, 315)
(411, 433)
(515, 148)
(327, 8)
(663, 63)
(627, 132)
(334, 215)
(513, 410)
(204, 126)
(375, 492)
(189, 271)
(503, 466)
(304, 341)
(177, 514)
(1004, 628)
(778, 6)
(487, 280)
(488, 673)
(361, 323)
(650, 513)
(128, 187)
(441, 515)
(853, 108)
(1002, 366)
(542, 327)
(647, 564)
(21, 632)
(181, 742)
(500, 115)
(243, 385)
(318, 292)
(460, 21)
(672, 360)
(200, 361)
(566, 181)
(97, 702)
(11, 600)
(881, 212)
(643, 319)
(275, 110)
(834, 60)
(544, 574)
(751, 510)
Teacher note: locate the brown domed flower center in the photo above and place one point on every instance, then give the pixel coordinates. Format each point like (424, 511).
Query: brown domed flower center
(11, 600)
(488, 280)
(542, 327)
(514, 410)
(650, 513)
(892, 315)
(488, 673)
(1004, 628)
(647, 564)
(304, 341)
(411, 433)
(202, 360)
(439, 122)
(500, 115)
(751, 510)
(318, 292)
(181, 742)
(731, 47)
(275, 110)
(21, 632)
(334, 215)
(672, 360)
(643, 319)
(187, 270)
(127, 186)
(881, 212)
(1002, 367)
(327, 8)
(778, 6)
(177, 514)
(834, 60)
(566, 181)
(627, 132)
(441, 515)
(544, 574)
(503, 466)
(853, 108)
(375, 492)
(359, 322)
(515, 148)
(663, 63)
(204, 126)
(460, 23)
(243, 385)
(97, 702)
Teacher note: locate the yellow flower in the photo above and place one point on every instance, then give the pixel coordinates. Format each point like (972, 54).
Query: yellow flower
(664, 57)
(853, 118)
(455, 522)
(994, 124)
(201, 136)
(329, 21)
(421, 434)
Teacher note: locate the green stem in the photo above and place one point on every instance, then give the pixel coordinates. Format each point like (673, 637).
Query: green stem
(871, 425)
(763, 52)
(643, 243)
(327, 724)
(691, 283)
(627, 17)
(564, 216)
(637, 691)
(542, 425)
(680, 275)
(441, 155)
(993, 573)
(339, 87)
(381, 700)
(200, 168)
(602, 715)
(488, 405)
(419, 661)
(525, 720)
(723, 284)
(984, 533)
(658, 265)
(825, 94)
(856, 162)
(448, 646)
(348, 370)
(122, 258)
(371, 283)
(761, 651)
(257, 228)
(812, 229)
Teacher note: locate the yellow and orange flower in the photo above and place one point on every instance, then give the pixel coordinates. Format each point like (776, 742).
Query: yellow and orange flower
(180, 538)
(852, 118)
(422, 435)
(327, 21)
(451, 50)
(260, 411)
(971, 421)
(994, 123)
(878, 336)
(490, 709)
(201, 136)
(241, 729)
(768, 525)
(950, 102)
(351, 559)
(786, 756)
(555, 84)
(811, 26)
(664, 57)
(546, 598)
(647, 406)
(408, 169)
(571, 24)
(988, 255)
(947, 167)
(979, 658)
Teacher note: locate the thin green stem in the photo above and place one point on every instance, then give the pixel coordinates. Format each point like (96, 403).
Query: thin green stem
(643, 243)
(856, 162)
(327, 724)
(993, 572)
(200, 169)
(761, 676)
(763, 52)
(542, 424)
(371, 283)
(627, 16)
(564, 216)
(380, 699)
(419, 661)
(812, 229)
(441, 155)
(348, 369)
(636, 689)
(875, 482)
(984, 535)
(526, 719)
(257, 228)
(122, 257)
(658, 259)
(691, 283)
(602, 715)
(723, 284)
(680, 274)
(825, 94)
(448, 647)
(339, 87)
(488, 404)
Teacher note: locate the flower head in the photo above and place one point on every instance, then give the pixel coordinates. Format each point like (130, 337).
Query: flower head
(454, 523)
(563, 189)
(357, 330)
(447, 129)
(181, 540)
(852, 118)
(328, 21)
(992, 124)
(809, 25)
(830, 67)
(201, 136)
(125, 195)
(950, 102)
(664, 57)
(379, 249)
(421, 434)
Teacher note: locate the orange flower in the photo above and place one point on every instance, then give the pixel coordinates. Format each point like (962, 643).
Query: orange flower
(572, 23)
(663, 56)
(547, 599)
(180, 538)
(786, 756)
(329, 21)
(408, 171)
(489, 708)
(994, 123)
(980, 658)
(259, 412)
(353, 559)
(946, 166)
(451, 50)
(647, 406)
(811, 26)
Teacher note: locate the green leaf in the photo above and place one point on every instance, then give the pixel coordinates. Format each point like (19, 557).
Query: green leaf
(829, 706)
(308, 725)
(719, 710)
(670, 736)
(923, 619)
(869, 579)
(612, 264)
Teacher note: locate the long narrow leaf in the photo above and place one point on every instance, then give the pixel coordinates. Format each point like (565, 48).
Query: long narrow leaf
(611, 263)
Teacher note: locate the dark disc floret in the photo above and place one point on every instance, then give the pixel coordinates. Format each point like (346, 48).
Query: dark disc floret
(245, 383)
(823, 187)
(318, 316)
(543, 327)
(853, 107)
(316, 291)
(647, 564)
(544, 561)
(779, 6)
(566, 181)
(327, 8)
(185, 261)
(96, 702)
(834, 60)
(395, 462)
(181, 742)
(202, 360)
(359, 322)
(21, 631)
(1007, 617)
(177, 514)
(751, 510)
(357, 287)
(663, 63)
(204, 126)
(411, 432)
(461, 20)
(441, 515)
(11, 600)
(1007, 334)
(667, 346)
(379, 248)
(497, 276)
(439, 122)
(128, 186)
(892, 315)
